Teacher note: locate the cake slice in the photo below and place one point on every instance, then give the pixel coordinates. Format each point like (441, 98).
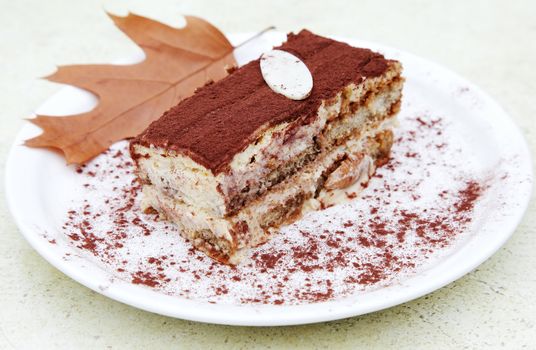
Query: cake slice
(236, 160)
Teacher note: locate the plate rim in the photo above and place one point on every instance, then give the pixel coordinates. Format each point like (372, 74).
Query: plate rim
(293, 314)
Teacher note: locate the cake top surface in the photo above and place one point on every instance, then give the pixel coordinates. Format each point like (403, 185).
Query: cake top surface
(222, 118)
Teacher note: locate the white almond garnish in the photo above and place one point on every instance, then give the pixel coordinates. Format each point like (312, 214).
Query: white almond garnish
(286, 74)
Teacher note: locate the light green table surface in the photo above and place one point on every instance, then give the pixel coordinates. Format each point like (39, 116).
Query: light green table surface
(493, 43)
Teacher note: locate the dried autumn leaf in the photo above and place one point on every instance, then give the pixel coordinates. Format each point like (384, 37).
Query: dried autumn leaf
(131, 96)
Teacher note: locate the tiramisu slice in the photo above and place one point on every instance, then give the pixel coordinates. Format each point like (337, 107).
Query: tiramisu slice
(237, 160)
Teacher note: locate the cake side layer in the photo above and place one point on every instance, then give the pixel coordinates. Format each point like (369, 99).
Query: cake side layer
(221, 119)
(253, 224)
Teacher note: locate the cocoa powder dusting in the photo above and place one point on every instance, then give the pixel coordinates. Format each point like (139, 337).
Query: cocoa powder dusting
(220, 119)
(390, 231)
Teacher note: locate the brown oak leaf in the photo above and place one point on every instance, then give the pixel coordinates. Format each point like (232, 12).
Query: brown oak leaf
(177, 61)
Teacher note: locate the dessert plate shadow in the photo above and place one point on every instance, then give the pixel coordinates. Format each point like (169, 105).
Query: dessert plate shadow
(40, 188)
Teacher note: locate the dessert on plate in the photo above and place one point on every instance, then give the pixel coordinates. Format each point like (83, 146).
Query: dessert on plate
(236, 160)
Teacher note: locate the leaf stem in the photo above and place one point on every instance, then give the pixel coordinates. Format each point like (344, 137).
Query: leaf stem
(256, 36)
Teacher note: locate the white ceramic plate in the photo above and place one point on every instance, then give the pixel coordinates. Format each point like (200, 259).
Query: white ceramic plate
(40, 189)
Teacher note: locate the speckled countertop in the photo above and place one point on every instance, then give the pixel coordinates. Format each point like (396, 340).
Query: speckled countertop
(492, 43)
